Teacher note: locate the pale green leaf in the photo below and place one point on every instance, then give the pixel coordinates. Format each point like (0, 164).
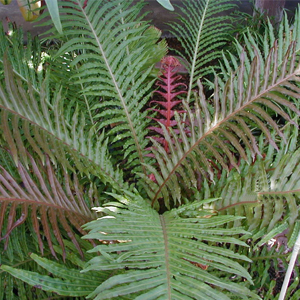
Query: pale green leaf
(52, 6)
(166, 4)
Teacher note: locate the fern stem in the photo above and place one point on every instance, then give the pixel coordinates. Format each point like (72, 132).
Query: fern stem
(24, 262)
(267, 257)
(196, 52)
(22, 77)
(134, 92)
(86, 101)
(168, 275)
(238, 203)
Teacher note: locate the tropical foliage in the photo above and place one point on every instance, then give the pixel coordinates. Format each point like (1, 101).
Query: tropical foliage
(111, 191)
(31, 9)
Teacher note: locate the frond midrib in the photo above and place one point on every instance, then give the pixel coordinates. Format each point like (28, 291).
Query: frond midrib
(28, 260)
(132, 129)
(195, 55)
(279, 192)
(165, 236)
(30, 202)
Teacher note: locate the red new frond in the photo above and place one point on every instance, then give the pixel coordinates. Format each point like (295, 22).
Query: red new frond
(170, 88)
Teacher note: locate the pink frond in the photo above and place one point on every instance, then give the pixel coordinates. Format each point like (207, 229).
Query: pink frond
(169, 84)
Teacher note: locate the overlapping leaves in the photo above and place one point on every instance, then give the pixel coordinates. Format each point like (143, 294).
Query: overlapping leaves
(192, 250)
(169, 256)
(29, 276)
(221, 130)
(74, 283)
(53, 204)
(45, 129)
(114, 48)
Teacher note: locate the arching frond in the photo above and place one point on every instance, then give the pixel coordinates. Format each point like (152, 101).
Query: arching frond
(74, 283)
(13, 288)
(34, 118)
(260, 193)
(228, 176)
(197, 22)
(30, 60)
(282, 199)
(35, 267)
(53, 208)
(268, 211)
(169, 256)
(268, 267)
(114, 48)
(266, 192)
(220, 132)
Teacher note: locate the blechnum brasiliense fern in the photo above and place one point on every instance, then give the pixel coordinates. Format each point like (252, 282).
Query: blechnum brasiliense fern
(90, 196)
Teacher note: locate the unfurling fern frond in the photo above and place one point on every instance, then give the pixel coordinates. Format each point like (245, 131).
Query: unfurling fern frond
(217, 129)
(51, 206)
(169, 256)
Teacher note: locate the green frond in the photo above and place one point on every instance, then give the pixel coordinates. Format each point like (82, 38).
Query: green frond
(13, 267)
(253, 45)
(74, 135)
(55, 206)
(17, 255)
(169, 256)
(197, 22)
(273, 220)
(74, 283)
(282, 197)
(26, 60)
(270, 207)
(216, 128)
(74, 100)
(268, 266)
(31, 59)
(265, 192)
(35, 119)
(16, 289)
(115, 59)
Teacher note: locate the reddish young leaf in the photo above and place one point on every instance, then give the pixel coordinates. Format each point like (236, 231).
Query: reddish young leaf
(169, 85)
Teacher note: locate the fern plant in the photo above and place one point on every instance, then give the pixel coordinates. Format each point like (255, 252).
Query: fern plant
(90, 207)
